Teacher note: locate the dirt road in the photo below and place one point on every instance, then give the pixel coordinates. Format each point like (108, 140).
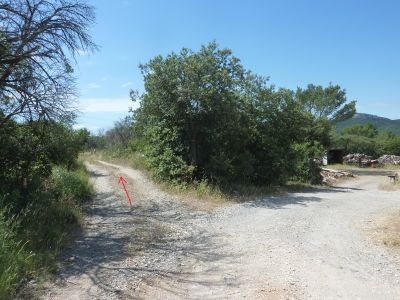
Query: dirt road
(309, 245)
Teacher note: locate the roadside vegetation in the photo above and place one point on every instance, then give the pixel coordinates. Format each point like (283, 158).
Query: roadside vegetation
(392, 231)
(390, 186)
(367, 140)
(205, 126)
(43, 187)
(205, 123)
(42, 184)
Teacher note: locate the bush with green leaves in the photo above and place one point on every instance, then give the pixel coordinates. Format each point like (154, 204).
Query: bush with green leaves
(32, 239)
(365, 130)
(305, 168)
(28, 151)
(366, 139)
(41, 188)
(357, 144)
(204, 117)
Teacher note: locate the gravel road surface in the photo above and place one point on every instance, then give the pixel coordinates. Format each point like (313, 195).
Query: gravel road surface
(310, 245)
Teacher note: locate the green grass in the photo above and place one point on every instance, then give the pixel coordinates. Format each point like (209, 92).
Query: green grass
(31, 241)
(118, 156)
(15, 260)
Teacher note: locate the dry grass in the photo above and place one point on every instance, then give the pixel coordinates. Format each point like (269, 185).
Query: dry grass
(388, 231)
(356, 167)
(390, 187)
(392, 230)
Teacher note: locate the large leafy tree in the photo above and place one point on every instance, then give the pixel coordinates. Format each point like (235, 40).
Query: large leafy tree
(204, 116)
(189, 114)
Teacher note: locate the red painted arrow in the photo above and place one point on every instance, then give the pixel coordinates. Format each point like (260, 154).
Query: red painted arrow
(123, 181)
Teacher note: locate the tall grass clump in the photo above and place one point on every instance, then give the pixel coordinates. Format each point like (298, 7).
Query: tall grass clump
(15, 260)
(31, 240)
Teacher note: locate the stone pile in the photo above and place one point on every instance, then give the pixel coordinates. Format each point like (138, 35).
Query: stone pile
(389, 160)
(354, 158)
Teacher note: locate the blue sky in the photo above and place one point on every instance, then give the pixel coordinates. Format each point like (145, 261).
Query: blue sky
(355, 44)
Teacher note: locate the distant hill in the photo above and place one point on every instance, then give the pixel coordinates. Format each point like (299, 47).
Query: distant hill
(383, 124)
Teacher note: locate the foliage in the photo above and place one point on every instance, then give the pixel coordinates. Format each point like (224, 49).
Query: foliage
(365, 138)
(189, 115)
(329, 102)
(32, 239)
(71, 184)
(40, 184)
(27, 152)
(305, 169)
(204, 117)
(392, 146)
(120, 134)
(366, 130)
(382, 124)
(38, 201)
(357, 144)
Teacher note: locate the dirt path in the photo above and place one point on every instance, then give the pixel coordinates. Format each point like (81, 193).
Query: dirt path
(309, 245)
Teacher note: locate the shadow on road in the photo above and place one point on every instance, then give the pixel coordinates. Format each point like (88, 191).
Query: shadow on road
(146, 236)
(300, 197)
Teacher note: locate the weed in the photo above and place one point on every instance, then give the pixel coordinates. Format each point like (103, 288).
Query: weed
(31, 241)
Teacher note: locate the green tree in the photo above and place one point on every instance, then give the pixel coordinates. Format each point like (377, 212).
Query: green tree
(330, 102)
(391, 146)
(365, 130)
(28, 151)
(189, 115)
(203, 116)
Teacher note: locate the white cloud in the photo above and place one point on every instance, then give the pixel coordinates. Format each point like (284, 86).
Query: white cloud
(93, 85)
(126, 84)
(105, 105)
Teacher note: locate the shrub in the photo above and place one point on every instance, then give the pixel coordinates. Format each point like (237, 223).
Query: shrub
(392, 146)
(204, 117)
(71, 184)
(32, 239)
(305, 169)
(358, 144)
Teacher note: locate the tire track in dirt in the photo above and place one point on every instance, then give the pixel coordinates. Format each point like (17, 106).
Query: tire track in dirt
(308, 245)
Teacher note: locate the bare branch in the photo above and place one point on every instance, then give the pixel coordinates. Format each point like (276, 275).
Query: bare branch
(38, 40)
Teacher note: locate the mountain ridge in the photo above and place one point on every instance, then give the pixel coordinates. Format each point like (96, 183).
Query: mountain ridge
(381, 123)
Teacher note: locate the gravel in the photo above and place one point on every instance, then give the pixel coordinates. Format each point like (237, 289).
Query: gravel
(309, 245)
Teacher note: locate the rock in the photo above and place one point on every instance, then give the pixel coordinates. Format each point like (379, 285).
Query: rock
(355, 158)
(389, 160)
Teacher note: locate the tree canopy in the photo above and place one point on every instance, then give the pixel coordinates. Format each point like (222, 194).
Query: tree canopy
(204, 116)
(330, 102)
